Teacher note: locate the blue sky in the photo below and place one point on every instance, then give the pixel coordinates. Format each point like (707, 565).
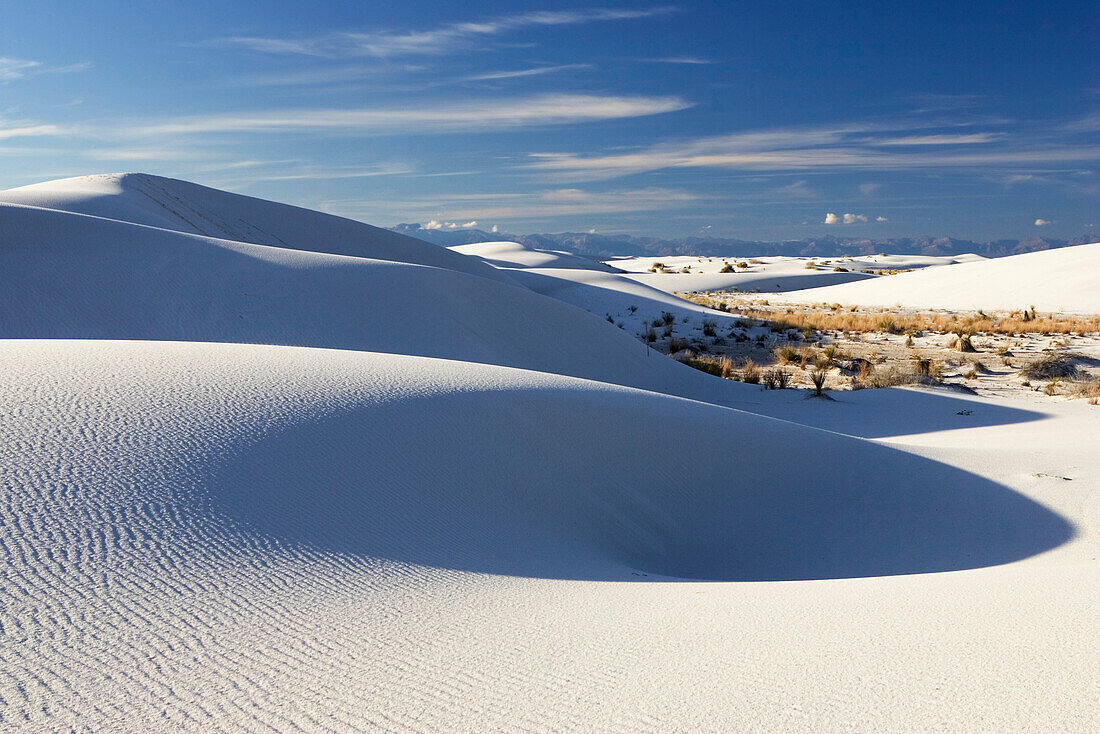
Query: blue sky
(759, 120)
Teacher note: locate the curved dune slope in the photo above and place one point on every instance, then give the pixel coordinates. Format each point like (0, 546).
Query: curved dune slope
(515, 255)
(212, 534)
(1066, 279)
(169, 203)
(69, 276)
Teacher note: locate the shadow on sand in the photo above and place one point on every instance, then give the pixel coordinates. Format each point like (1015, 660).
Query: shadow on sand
(886, 412)
(581, 484)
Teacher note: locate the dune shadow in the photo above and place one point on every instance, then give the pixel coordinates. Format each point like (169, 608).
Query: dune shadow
(891, 412)
(597, 485)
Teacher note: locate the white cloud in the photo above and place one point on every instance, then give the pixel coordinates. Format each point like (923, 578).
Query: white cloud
(27, 130)
(12, 69)
(537, 71)
(832, 218)
(487, 114)
(881, 219)
(811, 149)
(437, 41)
(495, 229)
(971, 139)
(1042, 222)
(869, 189)
(436, 224)
(691, 60)
(514, 206)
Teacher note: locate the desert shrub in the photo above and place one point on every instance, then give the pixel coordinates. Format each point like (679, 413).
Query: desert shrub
(632, 309)
(667, 332)
(970, 372)
(818, 379)
(1049, 366)
(667, 318)
(839, 269)
(831, 353)
(776, 379)
(1089, 388)
(650, 335)
(727, 268)
(963, 343)
(708, 328)
(786, 354)
(888, 325)
(610, 320)
(810, 265)
(750, 373)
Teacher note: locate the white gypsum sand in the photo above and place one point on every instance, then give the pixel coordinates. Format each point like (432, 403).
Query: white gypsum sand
(243, 491)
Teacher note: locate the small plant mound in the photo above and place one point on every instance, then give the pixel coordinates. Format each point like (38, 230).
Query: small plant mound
(727, 268)
(787, 354)
(1050, 366)
(818, 379)
(776, 379)
(963, 343)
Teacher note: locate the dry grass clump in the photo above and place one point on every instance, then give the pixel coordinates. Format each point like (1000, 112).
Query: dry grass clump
(1089, 389)
(1051, 366)
(818, 379)
(717, 366)
(787, 354)
(900, 322)
(776, 379)
(750, 372)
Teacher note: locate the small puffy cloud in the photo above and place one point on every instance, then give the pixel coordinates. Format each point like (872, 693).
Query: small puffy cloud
(432, 225)
(881, 219)
(592, 231)
(869, 189)
(495, 229)
(832, 218)
(1042, 222)
(435, 224)
(468, 225)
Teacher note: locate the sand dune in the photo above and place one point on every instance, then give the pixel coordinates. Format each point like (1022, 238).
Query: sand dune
(300, 488)
(182, 206)
(69, 276)
(1063, 280)
(515, 255)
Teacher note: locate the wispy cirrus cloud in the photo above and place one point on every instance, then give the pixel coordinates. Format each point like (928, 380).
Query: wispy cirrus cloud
(510, 206)
(689, 60)
(518, 73)
(841, 147)
(12, 69)
(441, 40)
(457, 116)
(27, 129)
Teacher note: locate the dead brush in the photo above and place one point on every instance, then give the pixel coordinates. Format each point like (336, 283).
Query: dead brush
(776, 379)
(1050, 366)
(750, 372)
(827, 319)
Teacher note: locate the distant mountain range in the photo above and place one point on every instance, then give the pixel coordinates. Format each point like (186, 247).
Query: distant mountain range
(599, 246)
